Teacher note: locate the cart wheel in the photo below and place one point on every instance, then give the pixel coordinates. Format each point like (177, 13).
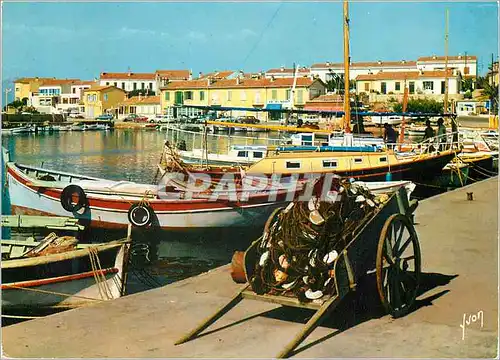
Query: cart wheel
(398, 265)
(271, 219)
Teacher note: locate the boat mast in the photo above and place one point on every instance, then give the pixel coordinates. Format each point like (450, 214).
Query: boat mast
(445, 102)
(347, 103)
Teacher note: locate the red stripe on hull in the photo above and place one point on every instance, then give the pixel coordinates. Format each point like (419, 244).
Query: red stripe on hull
(35, 283)
(158, 205)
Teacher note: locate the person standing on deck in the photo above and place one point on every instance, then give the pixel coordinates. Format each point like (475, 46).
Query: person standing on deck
(429, 131)
(390, 136)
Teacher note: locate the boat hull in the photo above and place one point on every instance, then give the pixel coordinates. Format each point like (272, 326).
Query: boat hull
(64, 280)
(111, 212)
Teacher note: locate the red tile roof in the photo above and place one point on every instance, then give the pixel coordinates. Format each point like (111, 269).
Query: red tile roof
(129, 75)
(85, 82)
(103, 87)
(401, 75)
(243, 83)
(328, 98)
(142, 100)
(367, 64)
(217, 74)
(173, 74)
(441, 58)
(58, 82)
(27, 80)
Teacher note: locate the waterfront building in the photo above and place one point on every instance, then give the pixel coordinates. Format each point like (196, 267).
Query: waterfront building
(261, 93)
(129, 81)
(24, 88)
(465, 65)
(328, 70)
(148, 106)
(283, 72)
(163, 77)
(383, 86)
(98, 100)
(50, 95)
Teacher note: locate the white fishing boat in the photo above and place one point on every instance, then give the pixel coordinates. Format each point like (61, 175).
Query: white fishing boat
(237, 154)
(389, 119)
(110, 204)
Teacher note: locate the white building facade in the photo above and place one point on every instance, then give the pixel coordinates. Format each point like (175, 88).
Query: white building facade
(129, 81)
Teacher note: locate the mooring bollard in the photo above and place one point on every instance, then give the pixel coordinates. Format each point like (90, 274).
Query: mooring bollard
(470, 196)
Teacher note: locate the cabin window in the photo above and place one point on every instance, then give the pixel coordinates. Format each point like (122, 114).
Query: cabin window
(367, 86)
(167, 96)
(115, 84)
(289, 95)
(243, 95)
(383, 159)
(188, 95)
(257, 154)
(123, 85)
(307, 140)
(397, 87)
(274, 94)
(358, 160)
(242, 153)
(142, 86)
(202, 95)
(229, 95)
(293, 164)
(329, 164)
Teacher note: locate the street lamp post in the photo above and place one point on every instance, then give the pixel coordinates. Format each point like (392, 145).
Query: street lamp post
(7, 91)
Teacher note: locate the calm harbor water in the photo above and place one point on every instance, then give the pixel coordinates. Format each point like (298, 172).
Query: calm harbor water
(159, 257)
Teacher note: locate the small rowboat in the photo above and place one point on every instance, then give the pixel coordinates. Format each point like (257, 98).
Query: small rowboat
(57, 271)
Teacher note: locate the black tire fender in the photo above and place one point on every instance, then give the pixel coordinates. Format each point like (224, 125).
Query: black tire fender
(67, 198)
(140, 215)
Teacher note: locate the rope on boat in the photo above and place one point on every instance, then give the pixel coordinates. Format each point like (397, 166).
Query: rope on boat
(100, 278)
(51, 292)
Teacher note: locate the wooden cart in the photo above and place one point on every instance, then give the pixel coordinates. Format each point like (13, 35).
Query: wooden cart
(387, 242)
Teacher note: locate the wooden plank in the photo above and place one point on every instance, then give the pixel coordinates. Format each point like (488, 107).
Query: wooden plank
(210, 320)
(284, 300)
(50, 222)
(313, 322)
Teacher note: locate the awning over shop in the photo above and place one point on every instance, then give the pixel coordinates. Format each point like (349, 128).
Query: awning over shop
(273, 106)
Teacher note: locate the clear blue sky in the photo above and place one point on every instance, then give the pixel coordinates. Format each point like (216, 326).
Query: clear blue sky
(82, 39)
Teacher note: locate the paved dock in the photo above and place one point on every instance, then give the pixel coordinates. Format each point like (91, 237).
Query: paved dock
(460, 261)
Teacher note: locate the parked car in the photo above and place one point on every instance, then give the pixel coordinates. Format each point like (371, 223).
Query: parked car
(136, 118)
(104, 117)
(162, 119)
(76, 116)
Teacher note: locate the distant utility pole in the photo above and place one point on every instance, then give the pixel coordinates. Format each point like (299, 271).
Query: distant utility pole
(445, 102)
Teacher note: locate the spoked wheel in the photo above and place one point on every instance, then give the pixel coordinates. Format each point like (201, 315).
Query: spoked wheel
(398, 265)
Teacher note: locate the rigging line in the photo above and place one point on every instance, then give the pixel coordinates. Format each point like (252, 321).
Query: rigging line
(262, 34)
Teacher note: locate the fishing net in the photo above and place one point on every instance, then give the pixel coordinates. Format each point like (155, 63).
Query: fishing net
(297, 252)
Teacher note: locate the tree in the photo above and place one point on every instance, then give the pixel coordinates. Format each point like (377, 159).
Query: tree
(336, 83)
(16, 104)
(491, 92)
(144, 92)
(467, 85)
(420, 106)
